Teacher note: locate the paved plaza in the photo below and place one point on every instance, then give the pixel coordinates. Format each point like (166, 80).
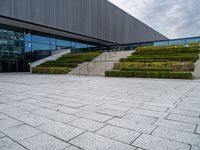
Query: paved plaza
(61, 112)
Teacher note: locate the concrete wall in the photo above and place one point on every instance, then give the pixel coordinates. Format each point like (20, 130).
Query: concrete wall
(93, 18)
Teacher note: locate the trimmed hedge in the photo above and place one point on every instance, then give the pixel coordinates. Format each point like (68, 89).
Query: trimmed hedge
(175, 66)
(186, 50)
(58, 64)
(159, 58)
(50, 70)
(163, 47)
(149, 74)
(79, 56)
(146, 69)
(167, 47)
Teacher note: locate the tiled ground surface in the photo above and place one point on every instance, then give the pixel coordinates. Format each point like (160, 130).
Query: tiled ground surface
(43, 112)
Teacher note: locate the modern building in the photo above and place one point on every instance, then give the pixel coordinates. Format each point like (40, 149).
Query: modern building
(31, 29)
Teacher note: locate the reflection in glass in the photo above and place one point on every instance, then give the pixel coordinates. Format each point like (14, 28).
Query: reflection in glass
(16, 41)
(161, 43)
(41, 39)
(193, 40)
(39, 47)
(81, 45)
(177, 42)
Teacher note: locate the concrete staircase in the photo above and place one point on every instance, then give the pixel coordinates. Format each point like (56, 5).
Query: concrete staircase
(55, 55)
(100, 64)
(196, 73)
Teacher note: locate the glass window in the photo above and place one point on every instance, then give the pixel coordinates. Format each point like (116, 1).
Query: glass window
(12, 41)
(28, 47)
(73, 44)
(53, 41)
(91, 45)
(81, 45)
(63, 43)
(161, 43)
(39, 47)
(27, 37)
(193, 40)
(177, 42)
(41, 39)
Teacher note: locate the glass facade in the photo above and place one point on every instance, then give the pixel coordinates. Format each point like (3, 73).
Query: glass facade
(16, 42)
(178, 41)
(19, 47)
(11, 42)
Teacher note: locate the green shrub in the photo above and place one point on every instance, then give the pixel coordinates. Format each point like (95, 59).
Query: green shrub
(161, 47)
(77, 57)
(71, 60)
(159, 58)
(194, 44)
(50, 70)
(58, 64)
(174, 65)
(146, 69)
(186, 50)
(149, 74)
(116, 73)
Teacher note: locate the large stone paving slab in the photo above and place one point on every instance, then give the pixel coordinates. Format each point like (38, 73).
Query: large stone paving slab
(21, 132)
(62, 131)
(44, 142)
(120, 134)
(7, 123)
(180, 136)
(91, 141)
(60, 112)
(154, 143)
(8, 144)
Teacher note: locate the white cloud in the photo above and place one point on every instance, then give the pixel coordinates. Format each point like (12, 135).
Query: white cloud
(173, 18)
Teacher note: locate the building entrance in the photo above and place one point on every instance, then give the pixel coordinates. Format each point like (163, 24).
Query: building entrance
(14, 66)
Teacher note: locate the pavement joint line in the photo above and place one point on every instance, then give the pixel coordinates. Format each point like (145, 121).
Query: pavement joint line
(77, 136)
(99, 129)
(153, 130)
(180, 120)
(116, 139)
(124, 128)
(195, 131)
(136, 138)
(18, 143)
(171, 140)
(167, 116)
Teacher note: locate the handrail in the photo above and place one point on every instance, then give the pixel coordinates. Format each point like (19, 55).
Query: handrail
(93, 62)
(102, 58)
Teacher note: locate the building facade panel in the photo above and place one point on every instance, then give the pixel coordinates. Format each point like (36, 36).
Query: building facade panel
(94, 18)
(60, 12)
(20, 9)
(49, 12)
(6, 7)
(36, 11)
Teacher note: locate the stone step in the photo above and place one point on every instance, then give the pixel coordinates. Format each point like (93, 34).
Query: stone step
(100, 64)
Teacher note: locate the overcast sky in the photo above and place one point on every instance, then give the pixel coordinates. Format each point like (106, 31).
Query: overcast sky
(173, 18)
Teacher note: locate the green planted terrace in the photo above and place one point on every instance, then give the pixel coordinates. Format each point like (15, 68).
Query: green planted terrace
(167, 61)
(65, 64)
